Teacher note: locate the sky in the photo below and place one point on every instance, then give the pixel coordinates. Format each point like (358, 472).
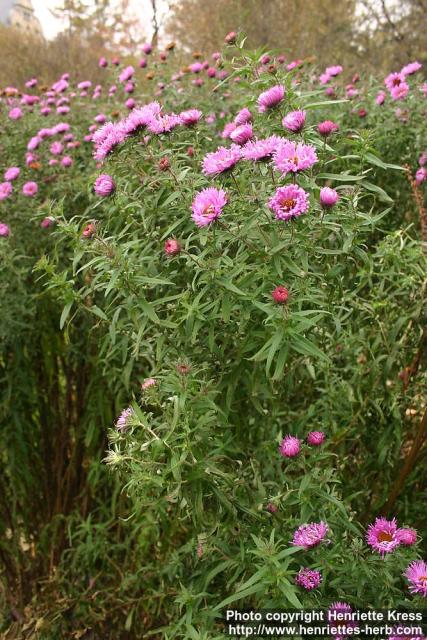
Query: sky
(51, 25)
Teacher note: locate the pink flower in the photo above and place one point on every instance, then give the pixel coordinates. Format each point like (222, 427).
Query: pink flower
(380, 98)
(66, 161)
(5, 190)
(172, 247)
(148, 383)
(292, 157)
(223, 159)
(421, 175)
(271, 507)
(334, 70)
(416, 574)
(242, 134)
(126, 74)
(104, 185)
(422, 160)
(294, 121)
(400, 91)
(280, 295)
(270, 98)
(308, 578)
(328, 197)
(393, 80)
(4, 230)
(290, 447)
(124, 419)
(102, 62)
(339, 614)
(411, 68)
(310, 535)
(13, 172)
(316, 438)
(327, 127)
(30, 189)
(407, 536)
(130, 104)
(260, 149)
(46, 222)
(228, 129)
(243, 117)
(142, 63)
(147, 48)
(56, 148)
(15, 113)
(190, 117)
(207, 206)
(211, 72)
(382, 535)
(230, 38)
(289, 202)
(196, 67)
(89, 230)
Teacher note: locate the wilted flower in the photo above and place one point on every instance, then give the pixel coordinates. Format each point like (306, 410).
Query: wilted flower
(89, 230)
(124, 418)
(310, 535)
(148, 383)
(221, 160)
(308, 578)
(104, 185)
(270, 98)
(207, 206)
(289, 202)
(328, 197)
(416, 574)
(290, 446)
(382, 535)
(294, 121)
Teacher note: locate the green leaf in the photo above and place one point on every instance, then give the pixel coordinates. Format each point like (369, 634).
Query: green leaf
(306, 347)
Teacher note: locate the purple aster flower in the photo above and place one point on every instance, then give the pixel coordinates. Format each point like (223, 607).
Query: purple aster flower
(380, 98)
(243, 117)
(327, 127)
(66, 161)
(328, 197)
(316, 438)
(407, 536)
(294, 121)
(56, 148)
(400, 91)
(260, 149)
(12, 173)
(126, 74)
(207, 206)
(333, 71)
(223, 159)
(382, 535)
(411, 68)
(416, 574)
(308, 578)
(124, 418)
(290, 446)
(190, 117)
(242, 134)
(289, 202)
(270, 98)
(104, 185)
(5, 190)
(340, 614)
(34, 143)
(310, 535)
(4, 230)
(15, 113)
(421, 175)
(228, 129)
(30, 189)
(164, 124)
(292, 157)
(393, 80)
